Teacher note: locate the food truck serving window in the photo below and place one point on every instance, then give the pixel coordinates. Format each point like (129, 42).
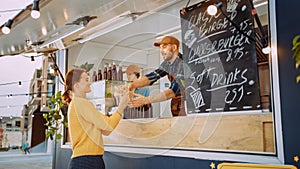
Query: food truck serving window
(229, 98)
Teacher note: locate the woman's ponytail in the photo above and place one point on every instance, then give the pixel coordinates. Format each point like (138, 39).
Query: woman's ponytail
(67, 96)
(73, 76)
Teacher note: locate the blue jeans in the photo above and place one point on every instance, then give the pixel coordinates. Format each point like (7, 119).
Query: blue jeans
(87, 162)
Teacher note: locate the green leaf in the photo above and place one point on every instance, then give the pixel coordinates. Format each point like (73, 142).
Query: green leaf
(47, 134)
(85, 66)
(296, 39)
(53, 129)
(57, 117)
(58, 136)
(296, 46)
(58, 94)
(45, 116)
(296, 53)
(298, 79)
(65, 124)
(51, 113)
(48, 124)
(52, 99)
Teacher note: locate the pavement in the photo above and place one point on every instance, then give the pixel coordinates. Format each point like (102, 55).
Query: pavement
(14, 159)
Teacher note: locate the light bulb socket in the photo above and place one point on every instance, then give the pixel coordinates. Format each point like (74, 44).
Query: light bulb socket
(35, 5)
(8, 23)
(32, 58)
(218, 4)
(7, 26)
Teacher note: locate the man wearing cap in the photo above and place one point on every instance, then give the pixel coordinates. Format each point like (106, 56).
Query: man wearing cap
(172, 66)
(143, 111)
(133, 72)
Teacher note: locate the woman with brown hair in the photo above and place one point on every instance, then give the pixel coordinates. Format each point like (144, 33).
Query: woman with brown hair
(86, 124)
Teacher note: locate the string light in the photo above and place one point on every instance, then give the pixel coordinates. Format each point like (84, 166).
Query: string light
(35, 11)
(266, 50)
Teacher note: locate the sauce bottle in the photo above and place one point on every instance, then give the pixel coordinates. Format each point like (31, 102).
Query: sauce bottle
(120, 73)
(99, 74)
(105, 72)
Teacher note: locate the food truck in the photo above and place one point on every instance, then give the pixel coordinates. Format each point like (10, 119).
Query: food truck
(241, 101)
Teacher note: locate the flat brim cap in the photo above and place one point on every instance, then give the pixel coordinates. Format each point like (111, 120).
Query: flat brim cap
(167, 40)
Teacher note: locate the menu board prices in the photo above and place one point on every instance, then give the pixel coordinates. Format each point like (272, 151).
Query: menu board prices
(220, 56)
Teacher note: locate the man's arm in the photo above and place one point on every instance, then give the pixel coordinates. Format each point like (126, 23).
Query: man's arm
(140, 100)
(143, 81)
(165, 95)
(149, 78)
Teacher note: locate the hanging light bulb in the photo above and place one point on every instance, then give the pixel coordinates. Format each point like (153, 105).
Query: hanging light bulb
(266, 50)
(7, 26)
(213, 9)
(52, 70)
(35, 11)
(20, 84)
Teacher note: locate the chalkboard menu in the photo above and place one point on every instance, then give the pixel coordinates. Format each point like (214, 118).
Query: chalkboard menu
(220, 57)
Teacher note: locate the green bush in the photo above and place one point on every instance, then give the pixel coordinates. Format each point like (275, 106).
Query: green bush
(54, 120)
(296, 56)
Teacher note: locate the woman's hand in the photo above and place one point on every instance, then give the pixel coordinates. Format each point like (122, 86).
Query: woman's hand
(124, 99)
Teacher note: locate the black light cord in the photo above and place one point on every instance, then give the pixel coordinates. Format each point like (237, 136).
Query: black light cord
(24, 94)
(187, 4)
(237, 28)
(257, 20)
(56, 68)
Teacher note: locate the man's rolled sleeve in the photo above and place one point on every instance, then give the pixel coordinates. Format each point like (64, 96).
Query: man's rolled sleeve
(157, 74)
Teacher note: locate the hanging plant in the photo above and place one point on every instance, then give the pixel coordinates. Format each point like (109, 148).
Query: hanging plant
(54, 120)
(296, 56)
(86, 66)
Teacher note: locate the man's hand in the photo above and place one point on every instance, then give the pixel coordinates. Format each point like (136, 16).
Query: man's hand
(138, 100)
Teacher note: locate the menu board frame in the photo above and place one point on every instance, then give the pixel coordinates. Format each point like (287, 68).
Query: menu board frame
(220, 56)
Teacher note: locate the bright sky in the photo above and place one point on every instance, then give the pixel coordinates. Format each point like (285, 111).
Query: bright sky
(14, 68)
